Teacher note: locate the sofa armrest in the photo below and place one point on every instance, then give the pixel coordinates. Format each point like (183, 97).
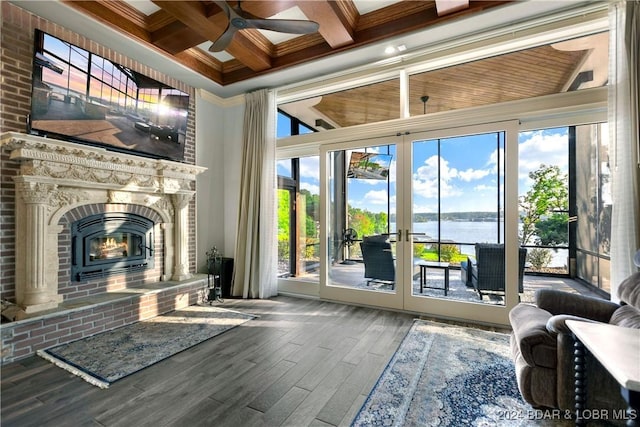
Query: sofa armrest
(473, 268)
(537, 346)
(557, 324)
(560, 302)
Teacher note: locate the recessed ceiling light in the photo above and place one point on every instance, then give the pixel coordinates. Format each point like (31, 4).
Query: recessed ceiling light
(393, 49)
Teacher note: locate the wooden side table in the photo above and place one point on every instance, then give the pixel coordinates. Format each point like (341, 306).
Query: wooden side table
(618, 350)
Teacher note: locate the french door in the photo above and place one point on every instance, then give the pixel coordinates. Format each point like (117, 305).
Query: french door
(361, 251)
(401, 217)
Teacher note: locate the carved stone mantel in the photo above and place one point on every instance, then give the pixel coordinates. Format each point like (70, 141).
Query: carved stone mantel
(56, 176)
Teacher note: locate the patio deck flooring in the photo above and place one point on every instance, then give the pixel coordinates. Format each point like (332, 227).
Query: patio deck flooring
(352, 276)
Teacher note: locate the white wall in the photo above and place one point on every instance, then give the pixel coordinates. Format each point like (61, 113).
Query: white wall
(234, 117)
(218, 143)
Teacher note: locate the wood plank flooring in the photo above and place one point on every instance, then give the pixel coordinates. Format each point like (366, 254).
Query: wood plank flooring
(303, 362)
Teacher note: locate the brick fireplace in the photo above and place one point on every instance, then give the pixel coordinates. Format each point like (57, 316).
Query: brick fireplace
(61, 186)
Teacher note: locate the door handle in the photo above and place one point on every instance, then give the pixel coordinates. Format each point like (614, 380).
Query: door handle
(414, 234)
(399, 233)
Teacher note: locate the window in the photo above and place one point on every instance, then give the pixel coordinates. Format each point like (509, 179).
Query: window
(458, 195)
(593, 204)
(298, 207)
(298, 217)
(544, 198)
(525, 85)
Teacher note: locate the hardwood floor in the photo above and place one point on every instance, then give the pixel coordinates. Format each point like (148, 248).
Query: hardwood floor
(301, 363)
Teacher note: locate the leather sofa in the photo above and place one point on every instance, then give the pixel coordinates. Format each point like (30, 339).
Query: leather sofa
(542, 346)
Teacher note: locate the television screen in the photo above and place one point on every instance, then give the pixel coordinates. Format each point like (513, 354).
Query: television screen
(369, 165)
(82, 97)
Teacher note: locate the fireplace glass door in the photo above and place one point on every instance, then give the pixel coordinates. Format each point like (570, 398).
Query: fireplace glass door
(110, 246)
(111, 243)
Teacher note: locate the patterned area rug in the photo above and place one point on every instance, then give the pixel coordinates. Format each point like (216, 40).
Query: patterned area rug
(444, 375)
(107, 357)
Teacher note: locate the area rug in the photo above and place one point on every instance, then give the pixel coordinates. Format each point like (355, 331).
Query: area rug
(445, 375)
(107, 357)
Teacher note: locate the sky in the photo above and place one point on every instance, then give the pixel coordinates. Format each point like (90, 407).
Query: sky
(468, 172)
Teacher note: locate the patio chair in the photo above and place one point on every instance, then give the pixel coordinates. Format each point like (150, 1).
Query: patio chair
(487, 269)
(378, 260)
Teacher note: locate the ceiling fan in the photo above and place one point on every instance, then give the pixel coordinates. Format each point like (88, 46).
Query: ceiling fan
(242, 20)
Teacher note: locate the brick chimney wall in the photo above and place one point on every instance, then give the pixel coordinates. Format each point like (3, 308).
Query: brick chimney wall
(16, 45)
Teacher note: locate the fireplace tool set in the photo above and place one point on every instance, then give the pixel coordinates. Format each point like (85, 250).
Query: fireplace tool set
(213, 291)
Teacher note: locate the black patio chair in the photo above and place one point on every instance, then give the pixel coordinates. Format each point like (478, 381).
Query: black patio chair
(378, 260)
(487, 269)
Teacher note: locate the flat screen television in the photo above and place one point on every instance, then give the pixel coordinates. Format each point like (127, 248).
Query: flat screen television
(82, 97)
(369, 165)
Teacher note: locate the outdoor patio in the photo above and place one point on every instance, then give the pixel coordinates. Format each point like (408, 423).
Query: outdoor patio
(352, 276)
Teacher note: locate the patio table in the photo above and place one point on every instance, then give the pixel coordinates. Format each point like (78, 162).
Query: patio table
(423, 275)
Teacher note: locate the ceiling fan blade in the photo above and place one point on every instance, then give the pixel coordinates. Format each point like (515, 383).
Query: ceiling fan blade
(225, 8)
(290, 26)
(224, 40)
(240, 20)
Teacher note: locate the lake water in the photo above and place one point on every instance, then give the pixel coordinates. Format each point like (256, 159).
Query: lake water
(471, 232)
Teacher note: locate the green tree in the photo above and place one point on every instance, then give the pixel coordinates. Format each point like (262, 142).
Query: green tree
(284, 212)
(552, 231)
(367, 223)
(548, 193)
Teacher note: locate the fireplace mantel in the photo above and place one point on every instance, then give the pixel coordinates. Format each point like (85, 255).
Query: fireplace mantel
(56, 176)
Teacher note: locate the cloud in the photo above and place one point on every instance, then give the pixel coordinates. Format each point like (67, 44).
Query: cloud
(310, 167)
(493, 158)
(378, 197)
(425, 208)
(473, 174)
(425, 179)
(285, 165)
(549, 147)
(483, 187)
(313, 189)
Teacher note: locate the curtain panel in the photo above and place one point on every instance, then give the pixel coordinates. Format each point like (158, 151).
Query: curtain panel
(255, 265)
(624, 138)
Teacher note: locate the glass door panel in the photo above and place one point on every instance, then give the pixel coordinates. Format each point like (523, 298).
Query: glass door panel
(457, 202)
(360, 222)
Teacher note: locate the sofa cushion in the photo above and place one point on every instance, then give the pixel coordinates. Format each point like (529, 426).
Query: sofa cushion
(627, 317)
(629, 290)
(537, 346)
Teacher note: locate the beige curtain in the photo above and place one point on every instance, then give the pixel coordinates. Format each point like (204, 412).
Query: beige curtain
(255, 264)
(625, 139)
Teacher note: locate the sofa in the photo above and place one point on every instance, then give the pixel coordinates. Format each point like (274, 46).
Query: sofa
(542, 346)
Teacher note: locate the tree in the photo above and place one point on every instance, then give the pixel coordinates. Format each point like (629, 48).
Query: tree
(549, 193)
(552, 231)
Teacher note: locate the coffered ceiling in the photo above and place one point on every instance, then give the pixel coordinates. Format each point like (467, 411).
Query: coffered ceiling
(174, 36)
(186, 29)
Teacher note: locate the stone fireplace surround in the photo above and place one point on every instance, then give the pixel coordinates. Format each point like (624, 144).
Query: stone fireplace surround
(59, 182)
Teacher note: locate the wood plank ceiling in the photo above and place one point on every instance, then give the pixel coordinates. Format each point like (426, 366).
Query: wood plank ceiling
(526, 74)
(177, 28)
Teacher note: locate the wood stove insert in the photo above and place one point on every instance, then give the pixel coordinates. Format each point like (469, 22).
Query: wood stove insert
(111, 243)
